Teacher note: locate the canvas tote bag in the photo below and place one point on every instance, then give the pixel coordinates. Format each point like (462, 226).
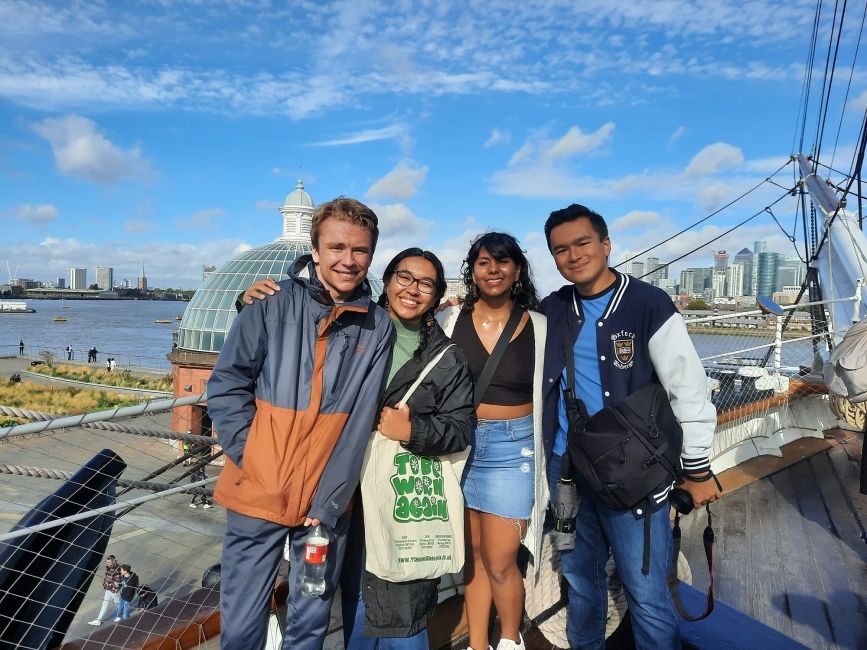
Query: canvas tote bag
(413, 507)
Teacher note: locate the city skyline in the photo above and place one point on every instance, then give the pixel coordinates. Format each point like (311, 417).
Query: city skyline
(448, 119)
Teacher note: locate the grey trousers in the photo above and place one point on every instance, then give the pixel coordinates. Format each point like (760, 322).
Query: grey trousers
(252, 549)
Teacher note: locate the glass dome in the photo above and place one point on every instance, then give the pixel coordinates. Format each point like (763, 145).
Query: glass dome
(210, 313)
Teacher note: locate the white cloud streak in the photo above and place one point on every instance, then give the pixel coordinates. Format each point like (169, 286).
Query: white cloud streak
(80, 150)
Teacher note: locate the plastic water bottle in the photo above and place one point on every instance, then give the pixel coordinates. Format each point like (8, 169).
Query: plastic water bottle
(315, 562)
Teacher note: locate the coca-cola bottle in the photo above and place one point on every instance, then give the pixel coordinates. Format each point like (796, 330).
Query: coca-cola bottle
(315, 562)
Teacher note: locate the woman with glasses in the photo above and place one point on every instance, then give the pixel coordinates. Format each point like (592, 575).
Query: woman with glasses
(505, 489)
(438, 419)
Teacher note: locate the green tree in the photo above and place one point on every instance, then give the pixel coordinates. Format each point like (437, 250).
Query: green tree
(697, 304)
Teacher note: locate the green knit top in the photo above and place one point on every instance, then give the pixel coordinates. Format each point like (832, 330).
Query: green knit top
(406, 342)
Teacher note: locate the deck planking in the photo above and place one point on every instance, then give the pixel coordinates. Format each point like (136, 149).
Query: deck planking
(789, 550)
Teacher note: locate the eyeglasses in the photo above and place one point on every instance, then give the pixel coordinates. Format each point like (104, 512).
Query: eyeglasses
(405, 279)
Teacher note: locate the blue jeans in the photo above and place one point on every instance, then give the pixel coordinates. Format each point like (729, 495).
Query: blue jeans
(122, 609)
(352, 601)
(252, 550)
(599, 528)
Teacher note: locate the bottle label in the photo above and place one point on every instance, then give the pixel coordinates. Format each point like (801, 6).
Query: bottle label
(316, 551)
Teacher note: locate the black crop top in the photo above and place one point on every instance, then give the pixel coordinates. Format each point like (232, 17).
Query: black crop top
(512, 383)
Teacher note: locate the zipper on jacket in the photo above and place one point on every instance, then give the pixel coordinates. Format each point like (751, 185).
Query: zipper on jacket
(343, 349)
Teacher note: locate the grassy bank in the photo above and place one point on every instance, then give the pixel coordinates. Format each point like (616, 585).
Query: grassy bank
(95, 375)
(61, 401)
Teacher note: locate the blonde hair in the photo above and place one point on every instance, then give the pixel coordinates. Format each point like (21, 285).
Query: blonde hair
(345, 209)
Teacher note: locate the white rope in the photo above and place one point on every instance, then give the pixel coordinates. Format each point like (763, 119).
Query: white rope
(99, 416)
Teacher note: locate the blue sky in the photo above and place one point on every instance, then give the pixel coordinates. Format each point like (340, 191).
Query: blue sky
(170, 132)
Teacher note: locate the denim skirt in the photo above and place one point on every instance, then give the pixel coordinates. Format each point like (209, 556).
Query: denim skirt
(500, 472)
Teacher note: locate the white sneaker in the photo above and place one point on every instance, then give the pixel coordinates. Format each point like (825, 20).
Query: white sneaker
(508, 644)
(95, 621)
(193, 505)
(207, 505)
(117, 620)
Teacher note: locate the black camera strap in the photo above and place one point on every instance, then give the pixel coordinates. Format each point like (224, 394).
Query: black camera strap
(673, 586)
(496, 355)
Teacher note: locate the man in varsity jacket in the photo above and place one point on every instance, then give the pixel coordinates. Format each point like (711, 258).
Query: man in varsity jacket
(627, 334)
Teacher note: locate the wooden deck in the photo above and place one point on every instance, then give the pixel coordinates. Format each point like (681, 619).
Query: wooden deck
(790, 548)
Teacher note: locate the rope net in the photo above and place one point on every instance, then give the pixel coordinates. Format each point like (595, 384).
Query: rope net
(135, 482)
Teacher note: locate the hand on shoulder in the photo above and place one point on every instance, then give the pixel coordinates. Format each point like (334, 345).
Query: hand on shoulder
(260, 290)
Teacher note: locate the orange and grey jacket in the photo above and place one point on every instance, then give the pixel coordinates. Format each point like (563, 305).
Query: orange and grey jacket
(293, 397)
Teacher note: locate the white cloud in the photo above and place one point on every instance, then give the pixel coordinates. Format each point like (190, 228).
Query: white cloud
(635, 219)
(167, 263)
(713, 159)
(401, 183)
(678, 132)
(399, 228)
(394, 131)
(203, 218)
(80, 150)
(37, 214)
(498, 137)
(577, 142)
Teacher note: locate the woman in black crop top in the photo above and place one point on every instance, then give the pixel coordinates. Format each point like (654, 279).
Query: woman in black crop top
(501, 475)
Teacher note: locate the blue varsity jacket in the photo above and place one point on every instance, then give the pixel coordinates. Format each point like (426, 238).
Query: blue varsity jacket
(641, 339)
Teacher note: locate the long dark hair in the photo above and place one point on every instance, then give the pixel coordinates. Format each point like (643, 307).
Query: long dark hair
(427, 320)
(500, 246)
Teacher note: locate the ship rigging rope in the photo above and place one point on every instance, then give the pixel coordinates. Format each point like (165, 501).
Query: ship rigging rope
(808, 74)
(712, 214)
(849, 84)
(828, 81)
(60, 475)
(40, 416)
(710, 241)
(59, 422)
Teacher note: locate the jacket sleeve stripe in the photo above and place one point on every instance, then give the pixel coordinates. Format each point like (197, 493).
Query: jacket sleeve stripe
(680, 372)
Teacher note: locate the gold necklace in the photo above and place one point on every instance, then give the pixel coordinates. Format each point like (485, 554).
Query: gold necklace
(488, 321)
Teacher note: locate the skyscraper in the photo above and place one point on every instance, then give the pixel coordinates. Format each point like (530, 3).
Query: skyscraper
(720, 261)
(657, 271)
(77, 278)
(637, 269)
(105, 278)
(142, 283)
(745, 259)
(735, 280)
(769, 263)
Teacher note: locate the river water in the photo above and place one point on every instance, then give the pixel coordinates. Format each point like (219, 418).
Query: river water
(124, 329)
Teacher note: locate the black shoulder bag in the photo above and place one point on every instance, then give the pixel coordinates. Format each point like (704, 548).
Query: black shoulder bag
(625, 451)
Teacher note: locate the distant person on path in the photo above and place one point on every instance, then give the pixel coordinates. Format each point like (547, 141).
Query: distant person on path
(21, 347)
(295, 386)
(201, 451)
(112, 364)
(128, 590)
(111, 585)
(147, 597)
(69, 353)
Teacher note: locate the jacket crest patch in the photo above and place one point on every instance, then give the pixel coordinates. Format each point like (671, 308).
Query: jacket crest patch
(624, 349)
